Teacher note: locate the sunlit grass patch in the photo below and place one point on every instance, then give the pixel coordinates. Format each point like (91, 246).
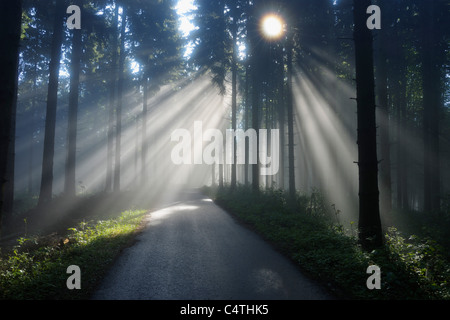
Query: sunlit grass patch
(36, 268)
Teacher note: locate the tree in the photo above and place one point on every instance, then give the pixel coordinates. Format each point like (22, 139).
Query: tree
(10, 15)
(433, 52)
(84, 61)
(113, 168)
(234, 70)
(157, 48)
(121, 75)
(46, 188)
(255, 62)
(290, 117)
(217, 51)
(384, 121)
(370, 232)
(212, 43)
(112, 100)
(70, 180)
(33, 71)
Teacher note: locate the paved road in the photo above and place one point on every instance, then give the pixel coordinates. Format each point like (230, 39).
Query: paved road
(194, 250)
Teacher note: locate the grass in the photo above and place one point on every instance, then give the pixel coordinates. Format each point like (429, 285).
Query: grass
(412, 267)
(36, 267)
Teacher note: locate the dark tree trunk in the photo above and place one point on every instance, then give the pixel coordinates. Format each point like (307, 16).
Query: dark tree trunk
(221, 166)
(112, 106)
(400, 103)
(384, 125)
(46, 189)
(31, 150)
(431, 103)
(281, 121)
(234, 100)
(255, 120)
(370, 232)
(213, 175)
(144, 130)
(290, 120)
(70, 179)
(247, 113)
(8, 204)
(256, 87)
(10, 16)
(32, 130)
(119, 104)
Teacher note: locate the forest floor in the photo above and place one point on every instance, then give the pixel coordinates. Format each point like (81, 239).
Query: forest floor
(413, 266)
(39, 244)
(52, 220)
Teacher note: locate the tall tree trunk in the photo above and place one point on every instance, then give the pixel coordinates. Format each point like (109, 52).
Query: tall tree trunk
(8, 204)
(32, 129)
(31, 151)
(136, 151)
(144, 142)
(234, 100)
(370, 232)
(290, 119)
(255, 123)
(46, 188)
(400, 99)
(246, 118)
(384, 125)
(221, 166)
(431, 103)
(256, 88)
(281, 122)
(70, 179)
(10, 15)
(112, 104)
(119, 103)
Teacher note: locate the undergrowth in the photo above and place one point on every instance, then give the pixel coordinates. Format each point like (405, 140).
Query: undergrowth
(306, 231)
(36, 267)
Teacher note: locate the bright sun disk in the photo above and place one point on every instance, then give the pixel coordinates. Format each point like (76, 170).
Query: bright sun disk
(272, 26)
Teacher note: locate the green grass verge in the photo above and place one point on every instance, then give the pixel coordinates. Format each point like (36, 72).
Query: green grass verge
(411, 267)
(36, 268)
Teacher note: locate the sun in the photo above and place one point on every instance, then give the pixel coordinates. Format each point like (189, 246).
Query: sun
(272, 26)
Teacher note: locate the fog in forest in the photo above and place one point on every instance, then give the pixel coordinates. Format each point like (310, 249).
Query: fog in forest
(177, 74)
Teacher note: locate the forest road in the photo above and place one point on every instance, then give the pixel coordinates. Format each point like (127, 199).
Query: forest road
(193, 250)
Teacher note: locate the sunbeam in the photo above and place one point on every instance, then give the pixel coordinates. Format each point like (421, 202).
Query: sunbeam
(327, 150)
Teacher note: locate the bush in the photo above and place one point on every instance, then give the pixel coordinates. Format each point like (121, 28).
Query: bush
(423, 259)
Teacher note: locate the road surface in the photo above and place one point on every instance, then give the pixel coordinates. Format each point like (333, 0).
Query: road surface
(193, 250)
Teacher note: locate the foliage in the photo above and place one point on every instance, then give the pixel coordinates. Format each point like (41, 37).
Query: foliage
(36, 267)
(212, 49)
(415, 268)
(423, 259)
(157, 44)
